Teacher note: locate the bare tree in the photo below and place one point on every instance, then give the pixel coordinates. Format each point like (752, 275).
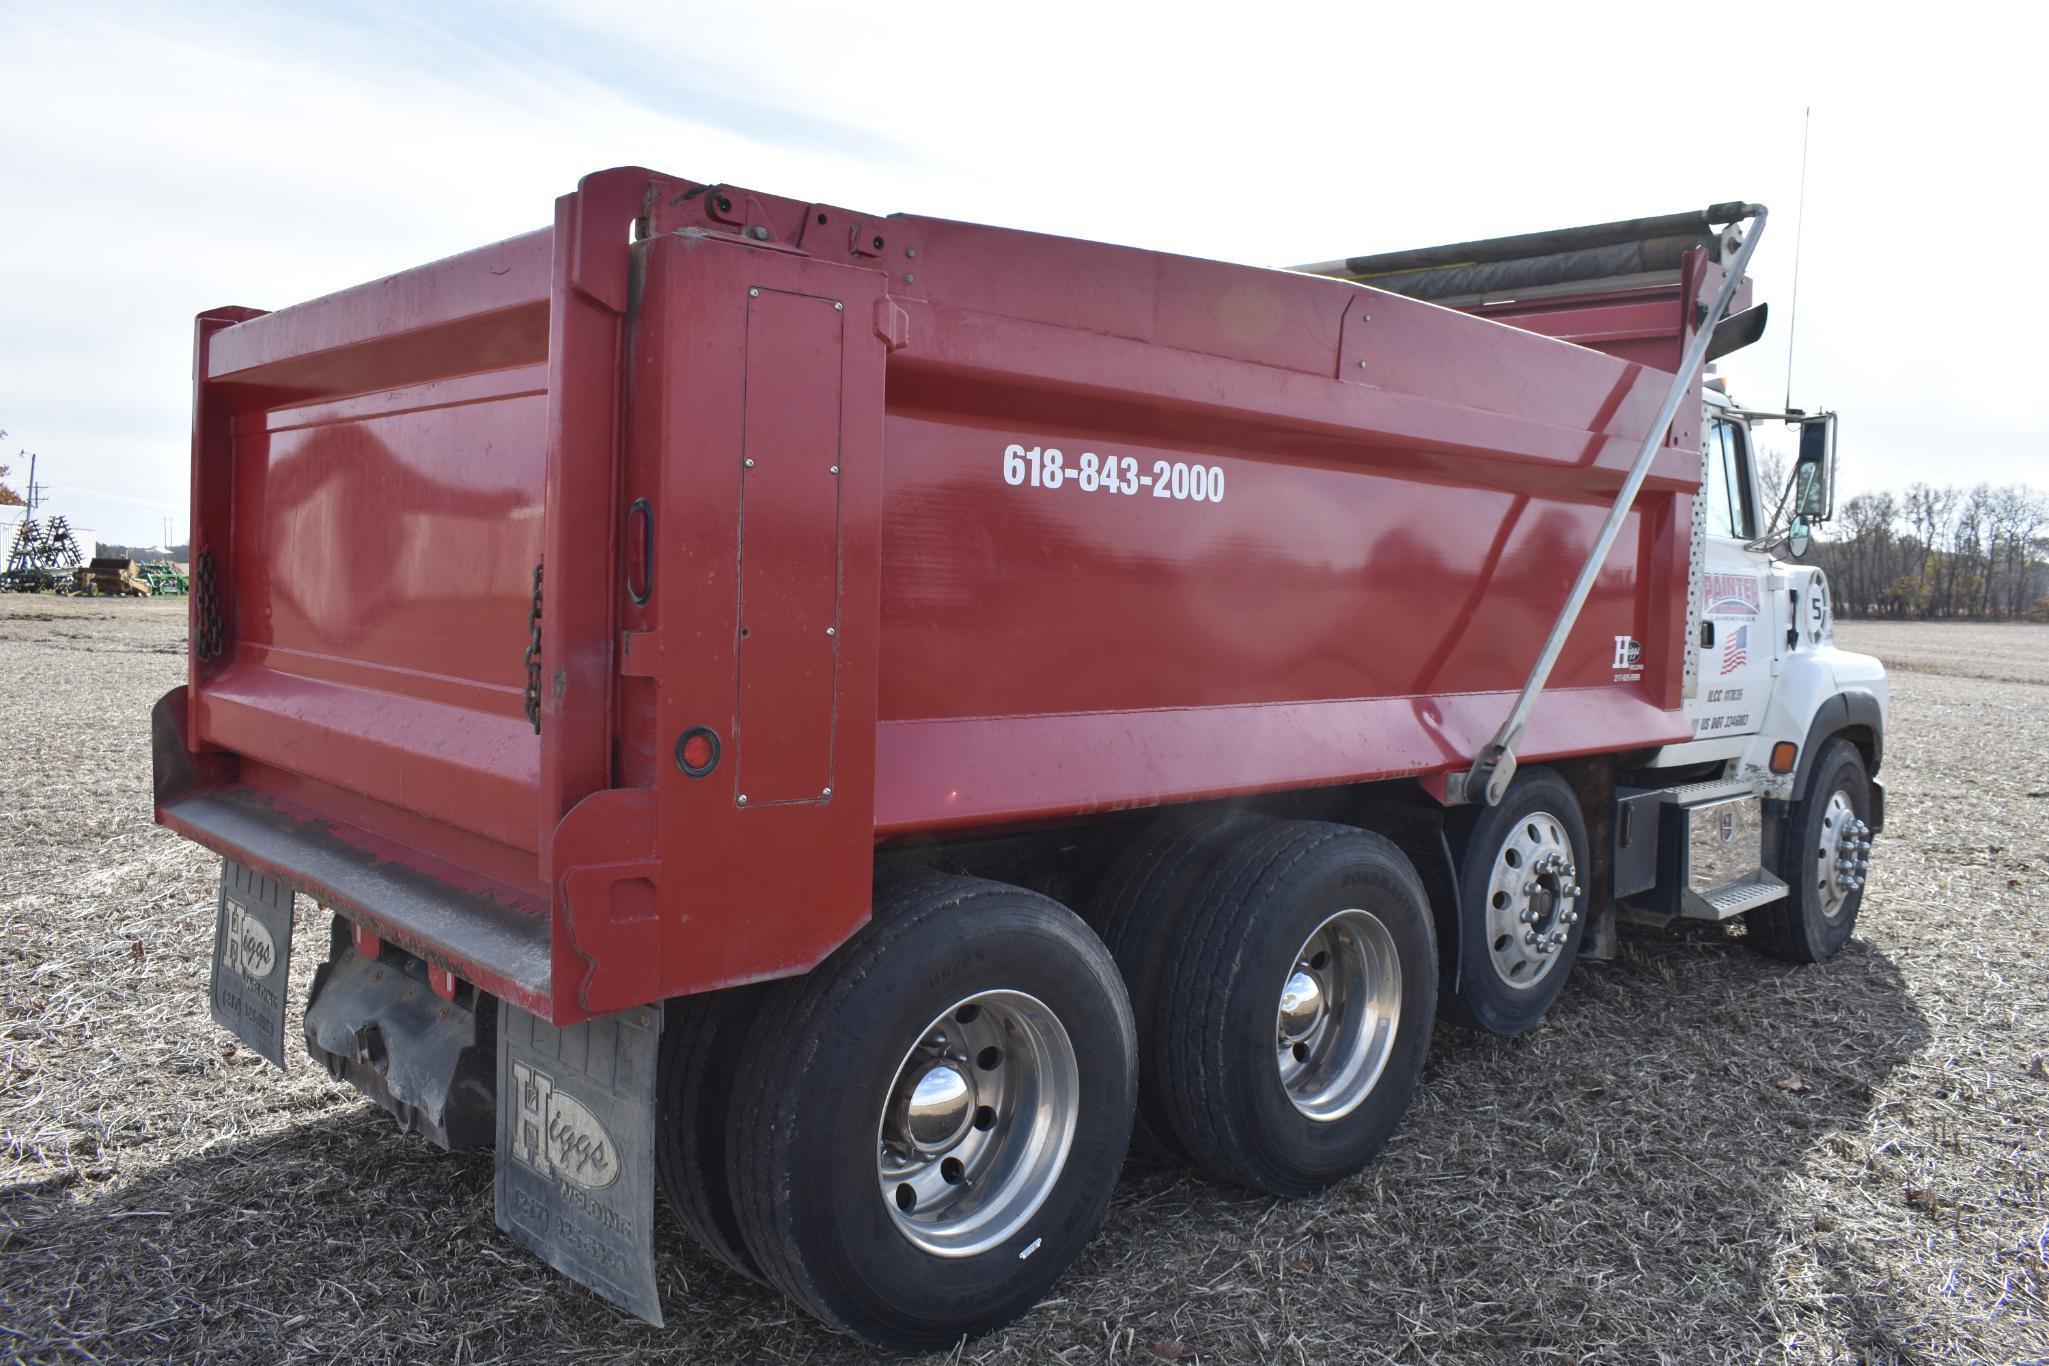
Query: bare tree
(1940, 551)
(2018, 515)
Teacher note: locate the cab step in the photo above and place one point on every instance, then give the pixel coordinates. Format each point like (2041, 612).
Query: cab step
(1714, 790)
(1733, 898)
(1693, 851)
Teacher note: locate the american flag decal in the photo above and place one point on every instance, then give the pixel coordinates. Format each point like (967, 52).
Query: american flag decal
(1736, 650)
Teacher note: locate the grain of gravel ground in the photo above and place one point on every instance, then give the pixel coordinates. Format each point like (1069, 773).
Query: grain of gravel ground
(1702, 1156)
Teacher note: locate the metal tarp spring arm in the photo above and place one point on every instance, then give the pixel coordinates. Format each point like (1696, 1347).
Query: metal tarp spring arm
(1494, 766)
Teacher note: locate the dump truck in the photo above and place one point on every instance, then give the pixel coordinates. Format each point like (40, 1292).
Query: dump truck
(846, 719)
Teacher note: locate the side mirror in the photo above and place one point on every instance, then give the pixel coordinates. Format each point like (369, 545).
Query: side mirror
(1797, 536)
(1814, 476)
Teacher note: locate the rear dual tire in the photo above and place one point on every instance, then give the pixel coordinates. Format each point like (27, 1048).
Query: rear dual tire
(931, 1124)
(1296, 1006)
(1139, 910)
(1292, 974)
(701, 1043)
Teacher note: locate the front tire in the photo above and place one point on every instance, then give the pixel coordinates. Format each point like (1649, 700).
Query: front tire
(1826, 830)
(933, 1121)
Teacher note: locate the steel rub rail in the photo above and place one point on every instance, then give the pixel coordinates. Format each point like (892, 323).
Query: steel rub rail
(1494, 766)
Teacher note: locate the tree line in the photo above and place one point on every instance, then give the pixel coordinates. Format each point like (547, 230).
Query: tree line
(1976, 554)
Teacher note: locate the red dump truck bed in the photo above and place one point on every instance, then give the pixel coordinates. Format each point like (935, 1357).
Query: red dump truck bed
(579, 612)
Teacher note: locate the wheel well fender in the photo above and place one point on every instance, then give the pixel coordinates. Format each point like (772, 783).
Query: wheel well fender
(1419, 827)
(1854, 714)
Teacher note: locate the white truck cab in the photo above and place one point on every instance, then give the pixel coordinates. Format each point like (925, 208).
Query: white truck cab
(1761, 653)
(1770, 808)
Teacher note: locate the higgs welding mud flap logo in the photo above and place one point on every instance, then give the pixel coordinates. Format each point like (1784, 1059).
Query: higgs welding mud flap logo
(556, 1136)
(248, 946)
(576, 1147)
(252, 959)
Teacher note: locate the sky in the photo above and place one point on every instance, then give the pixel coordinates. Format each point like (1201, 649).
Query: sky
(158, 160)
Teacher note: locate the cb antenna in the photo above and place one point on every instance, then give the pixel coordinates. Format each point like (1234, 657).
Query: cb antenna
(1799, 232)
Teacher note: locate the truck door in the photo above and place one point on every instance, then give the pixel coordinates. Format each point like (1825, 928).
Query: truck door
(1739, 618)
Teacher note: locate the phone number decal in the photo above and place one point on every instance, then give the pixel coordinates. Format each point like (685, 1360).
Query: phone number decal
(1047, 468)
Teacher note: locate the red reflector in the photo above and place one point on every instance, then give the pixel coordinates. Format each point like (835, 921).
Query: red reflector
(1782, 756)
(697, 751)
(443, 982)
(367, 944)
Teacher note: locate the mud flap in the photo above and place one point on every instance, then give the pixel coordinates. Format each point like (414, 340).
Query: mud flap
(252, 959)
(576, 1148)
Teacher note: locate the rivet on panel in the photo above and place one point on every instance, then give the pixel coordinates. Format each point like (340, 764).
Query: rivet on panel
(743, 799)
(749, 463)
(754, 294)
(831, 631)
(838, 307)
(835, 469)
(827, 792)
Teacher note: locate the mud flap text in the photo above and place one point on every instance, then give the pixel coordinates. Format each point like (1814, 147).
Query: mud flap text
(576, 1140)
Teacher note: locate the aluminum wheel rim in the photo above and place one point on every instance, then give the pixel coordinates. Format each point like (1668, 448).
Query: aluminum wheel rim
(1533, 900)
(1339, 1011)
(977, 1123)
(1842, 856)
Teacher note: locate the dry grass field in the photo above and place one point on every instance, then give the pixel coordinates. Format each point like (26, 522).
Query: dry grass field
(1704, 1155)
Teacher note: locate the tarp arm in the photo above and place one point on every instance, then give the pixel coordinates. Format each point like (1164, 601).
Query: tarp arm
(1494, 766)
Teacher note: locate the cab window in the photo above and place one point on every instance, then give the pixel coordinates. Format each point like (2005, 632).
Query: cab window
(1727, 486)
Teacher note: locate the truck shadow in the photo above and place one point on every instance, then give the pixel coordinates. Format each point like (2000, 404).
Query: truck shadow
(1617, 1183)
(1622, 1182)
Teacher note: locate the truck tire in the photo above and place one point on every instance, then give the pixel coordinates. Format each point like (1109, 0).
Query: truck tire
(701, 1040)
(1521, 907)
(1138, 911)
(1831, 823)
(933, 1121)
(1298, 1005)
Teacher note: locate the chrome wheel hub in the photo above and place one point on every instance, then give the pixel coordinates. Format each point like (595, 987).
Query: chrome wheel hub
(1533, 900)
(1843, 856)
(977, 1123)
(1338, 1014)
(1303, 1006)
(938, 1109)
